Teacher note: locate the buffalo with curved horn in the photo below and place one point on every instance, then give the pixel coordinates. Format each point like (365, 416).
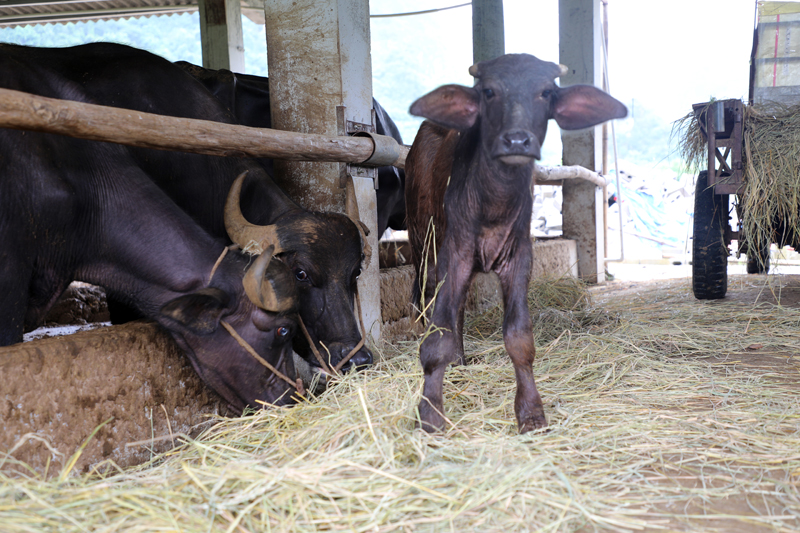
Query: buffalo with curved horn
(323, 251)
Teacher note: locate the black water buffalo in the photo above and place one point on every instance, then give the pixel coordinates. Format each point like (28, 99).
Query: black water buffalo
(469, 171)
(81, 210)
(247, 97)
(323, 250)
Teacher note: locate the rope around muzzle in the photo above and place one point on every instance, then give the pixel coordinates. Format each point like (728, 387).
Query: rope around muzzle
(325, 367)
(366, 251)
(298, 383)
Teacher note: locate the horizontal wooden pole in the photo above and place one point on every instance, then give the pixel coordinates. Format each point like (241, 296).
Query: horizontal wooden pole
(543, 174)
(19, 110)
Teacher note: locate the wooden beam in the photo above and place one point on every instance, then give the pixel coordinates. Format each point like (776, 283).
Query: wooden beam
(19, 110)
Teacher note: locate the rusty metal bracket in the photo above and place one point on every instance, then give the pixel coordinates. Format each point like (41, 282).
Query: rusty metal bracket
(721, 124)
(349, 127)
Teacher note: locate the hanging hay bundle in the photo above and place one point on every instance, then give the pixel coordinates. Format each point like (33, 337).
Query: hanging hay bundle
(692, 145)
(771, 202)
(770, 205)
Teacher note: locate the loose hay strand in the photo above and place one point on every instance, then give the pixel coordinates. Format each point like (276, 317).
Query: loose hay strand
(656, 421)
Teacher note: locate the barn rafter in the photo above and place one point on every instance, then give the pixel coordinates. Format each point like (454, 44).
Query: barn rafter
(24, 12)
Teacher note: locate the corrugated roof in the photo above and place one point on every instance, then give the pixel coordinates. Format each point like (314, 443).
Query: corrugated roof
(22, 12)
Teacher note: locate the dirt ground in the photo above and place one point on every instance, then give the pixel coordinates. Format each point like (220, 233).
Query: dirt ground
(781, 367)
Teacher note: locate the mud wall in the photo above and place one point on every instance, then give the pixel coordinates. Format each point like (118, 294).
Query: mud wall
(54, 392)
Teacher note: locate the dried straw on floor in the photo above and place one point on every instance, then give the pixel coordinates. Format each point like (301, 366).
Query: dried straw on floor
(648, 430)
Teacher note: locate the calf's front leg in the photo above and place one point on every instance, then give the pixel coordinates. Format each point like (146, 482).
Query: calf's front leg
(518, 339)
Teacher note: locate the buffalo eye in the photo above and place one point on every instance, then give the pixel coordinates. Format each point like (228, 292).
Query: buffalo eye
(300, 274)
(488, 93)
(546, 94)
(282, 332)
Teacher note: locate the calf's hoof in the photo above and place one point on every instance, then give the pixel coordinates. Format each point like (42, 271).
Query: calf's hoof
(430, 418)
(537, 421)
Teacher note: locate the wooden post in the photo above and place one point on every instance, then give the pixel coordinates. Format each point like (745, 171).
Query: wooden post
(221, 34)
(488, 32)
(580, 50)
(319, 60)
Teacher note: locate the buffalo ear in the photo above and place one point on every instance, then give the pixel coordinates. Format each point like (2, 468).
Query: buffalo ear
(451, 106)
(582, 106)
(199, 311)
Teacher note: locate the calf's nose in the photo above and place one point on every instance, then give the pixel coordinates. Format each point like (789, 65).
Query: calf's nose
(517, 143)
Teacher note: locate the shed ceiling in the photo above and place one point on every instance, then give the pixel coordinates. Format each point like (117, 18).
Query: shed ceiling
(22, 12)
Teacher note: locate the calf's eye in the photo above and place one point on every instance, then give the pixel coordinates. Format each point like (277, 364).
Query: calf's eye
(488, 93)
(300, 274)
(283, 332)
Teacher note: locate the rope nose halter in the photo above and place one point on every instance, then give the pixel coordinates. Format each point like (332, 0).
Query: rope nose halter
(325, 367)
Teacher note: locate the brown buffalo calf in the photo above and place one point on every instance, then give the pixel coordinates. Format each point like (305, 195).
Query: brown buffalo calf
(469, 173)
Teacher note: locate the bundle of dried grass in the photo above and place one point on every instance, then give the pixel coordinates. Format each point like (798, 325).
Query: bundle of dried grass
(771, 200)
(557, 304)
(692, 146)
(771, 203)
(654, 425)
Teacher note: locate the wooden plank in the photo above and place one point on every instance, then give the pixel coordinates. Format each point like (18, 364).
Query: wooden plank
(19, 110)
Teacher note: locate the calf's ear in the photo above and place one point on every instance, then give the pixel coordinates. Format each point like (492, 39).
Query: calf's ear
(451, 106)
(582, 106)
(199, 312)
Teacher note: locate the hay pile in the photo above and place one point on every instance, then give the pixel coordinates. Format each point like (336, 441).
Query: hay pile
(771, 158)
(771, 200)
(558, 305)
(647, 430)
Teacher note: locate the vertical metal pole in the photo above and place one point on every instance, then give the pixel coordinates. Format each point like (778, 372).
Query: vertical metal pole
(488, 32)
(319, 59)
(221, 34)
(580, 50)
(604, 167)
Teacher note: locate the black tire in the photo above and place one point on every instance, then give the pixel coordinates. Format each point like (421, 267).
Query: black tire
(758, 263)
(709, 249)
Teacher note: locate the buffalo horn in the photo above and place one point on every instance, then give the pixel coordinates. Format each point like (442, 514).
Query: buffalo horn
(563, 69)
(366, 249)
(250, 237)
(473, 71)
(269, 284)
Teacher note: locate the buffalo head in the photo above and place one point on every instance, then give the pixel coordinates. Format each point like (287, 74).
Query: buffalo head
(323, 252)
(256, 302)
